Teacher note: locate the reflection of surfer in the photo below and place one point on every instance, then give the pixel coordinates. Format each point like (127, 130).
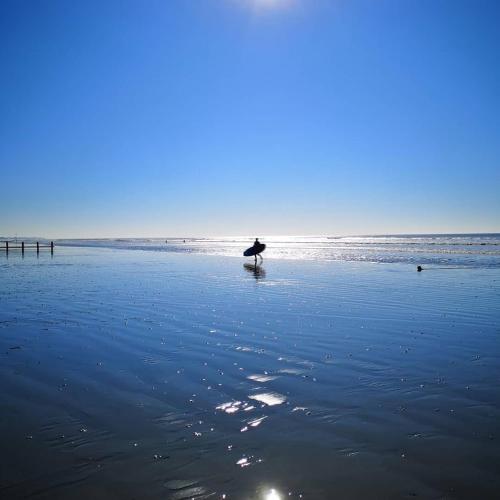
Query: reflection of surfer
(257, 271)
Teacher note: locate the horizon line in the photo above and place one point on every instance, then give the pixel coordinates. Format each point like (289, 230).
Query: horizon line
(366, 235)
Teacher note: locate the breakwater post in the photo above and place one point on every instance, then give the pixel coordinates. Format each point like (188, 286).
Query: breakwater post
(26, 246)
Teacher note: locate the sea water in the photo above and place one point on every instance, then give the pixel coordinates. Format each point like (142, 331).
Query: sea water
(471, 250)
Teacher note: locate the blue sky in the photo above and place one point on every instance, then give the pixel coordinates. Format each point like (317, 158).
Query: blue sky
(232, 117)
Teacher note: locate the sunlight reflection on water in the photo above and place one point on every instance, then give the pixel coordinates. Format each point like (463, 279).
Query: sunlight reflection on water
(272, 495)
(269, 398)
(471, 250)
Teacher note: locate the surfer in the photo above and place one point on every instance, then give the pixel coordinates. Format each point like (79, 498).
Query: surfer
(257, 245)
(255, 250)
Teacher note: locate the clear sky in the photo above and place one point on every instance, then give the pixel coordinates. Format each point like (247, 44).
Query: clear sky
(230, 117)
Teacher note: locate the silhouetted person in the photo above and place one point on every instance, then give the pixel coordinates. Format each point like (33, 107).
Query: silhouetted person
(257, 244)
(420, 269)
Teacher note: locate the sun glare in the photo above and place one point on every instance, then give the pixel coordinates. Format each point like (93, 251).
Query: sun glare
(273, 495)
(269, 4)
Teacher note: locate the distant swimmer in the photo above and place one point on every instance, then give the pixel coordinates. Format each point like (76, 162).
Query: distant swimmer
(420, 269)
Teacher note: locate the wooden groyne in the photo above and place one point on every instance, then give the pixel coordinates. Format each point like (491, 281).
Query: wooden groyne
(15, 245)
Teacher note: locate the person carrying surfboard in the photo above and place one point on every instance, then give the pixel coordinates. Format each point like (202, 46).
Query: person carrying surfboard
(255, 250)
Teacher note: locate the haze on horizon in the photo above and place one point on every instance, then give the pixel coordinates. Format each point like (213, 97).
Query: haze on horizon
(237, 117)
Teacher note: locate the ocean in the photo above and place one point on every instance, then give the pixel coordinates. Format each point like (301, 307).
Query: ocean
(465, 250)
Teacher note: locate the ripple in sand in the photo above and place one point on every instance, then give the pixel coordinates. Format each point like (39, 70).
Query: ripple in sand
(184, 489)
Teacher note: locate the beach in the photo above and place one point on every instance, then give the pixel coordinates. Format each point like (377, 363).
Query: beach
(128, 373)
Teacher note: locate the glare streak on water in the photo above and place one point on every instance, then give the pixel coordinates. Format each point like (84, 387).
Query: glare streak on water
(269, 398)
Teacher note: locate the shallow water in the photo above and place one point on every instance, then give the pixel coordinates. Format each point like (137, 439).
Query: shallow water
(450, 250)
(165, 375)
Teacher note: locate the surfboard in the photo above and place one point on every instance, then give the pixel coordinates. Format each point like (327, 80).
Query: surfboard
(249, 252)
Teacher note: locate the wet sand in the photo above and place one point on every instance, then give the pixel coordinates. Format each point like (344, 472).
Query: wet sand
(130, 374)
